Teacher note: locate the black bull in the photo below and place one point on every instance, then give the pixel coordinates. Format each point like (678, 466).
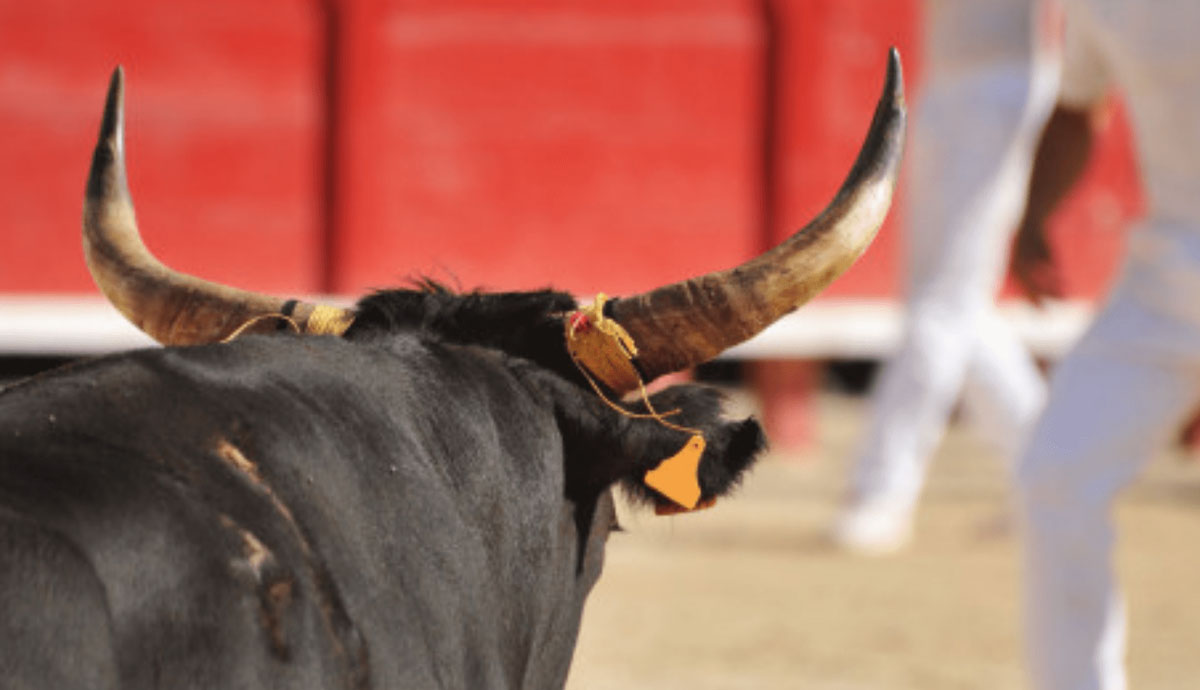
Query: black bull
(422, 501)
(385, 509)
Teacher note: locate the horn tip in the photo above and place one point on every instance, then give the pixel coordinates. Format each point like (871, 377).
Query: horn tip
(114, 107)
(107, 174)
(894, 82)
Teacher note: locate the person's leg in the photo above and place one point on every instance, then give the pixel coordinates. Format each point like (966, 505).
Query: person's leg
(1113, 401)
(1004, 391)
(909, 407)
(970, 163)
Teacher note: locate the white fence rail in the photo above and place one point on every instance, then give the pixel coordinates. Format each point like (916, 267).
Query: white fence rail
(825, 329)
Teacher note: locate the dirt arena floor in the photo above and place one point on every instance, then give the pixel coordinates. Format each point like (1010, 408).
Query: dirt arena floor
(750, 595)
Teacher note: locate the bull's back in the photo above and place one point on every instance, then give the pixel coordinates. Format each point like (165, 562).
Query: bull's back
(55, 631)
(253, 525)
(138, 564)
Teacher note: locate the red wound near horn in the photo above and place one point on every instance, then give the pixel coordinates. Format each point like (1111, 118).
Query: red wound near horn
(580, 322)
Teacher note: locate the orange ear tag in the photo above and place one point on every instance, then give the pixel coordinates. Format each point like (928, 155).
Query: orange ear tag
(675, 477)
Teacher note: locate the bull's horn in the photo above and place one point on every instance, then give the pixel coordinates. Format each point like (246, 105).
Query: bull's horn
(172, 307)
(690, 322)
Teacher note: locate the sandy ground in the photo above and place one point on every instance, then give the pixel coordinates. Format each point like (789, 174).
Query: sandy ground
(750, 595)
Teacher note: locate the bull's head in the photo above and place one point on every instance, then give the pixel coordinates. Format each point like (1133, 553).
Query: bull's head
(673, 327)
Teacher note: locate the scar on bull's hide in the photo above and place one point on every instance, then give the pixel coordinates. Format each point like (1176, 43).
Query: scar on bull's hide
(274, 593)
(274, 603)
(234, 456)
(255, 553)
(277, 594)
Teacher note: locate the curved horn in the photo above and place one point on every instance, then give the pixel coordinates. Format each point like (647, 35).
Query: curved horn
(172, 307)
(690, 322)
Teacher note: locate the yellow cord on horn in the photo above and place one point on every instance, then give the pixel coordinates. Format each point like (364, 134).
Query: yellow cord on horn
(258, 319)
(323, 320)
(326, 320)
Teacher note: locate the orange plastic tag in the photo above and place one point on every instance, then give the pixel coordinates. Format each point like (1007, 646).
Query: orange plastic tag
(675, 477)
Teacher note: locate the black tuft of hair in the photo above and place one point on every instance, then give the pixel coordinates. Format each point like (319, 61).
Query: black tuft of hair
(522, 324)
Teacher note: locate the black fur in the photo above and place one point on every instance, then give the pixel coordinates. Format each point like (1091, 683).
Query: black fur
(529, 325)
(522, 324)
(423, 503)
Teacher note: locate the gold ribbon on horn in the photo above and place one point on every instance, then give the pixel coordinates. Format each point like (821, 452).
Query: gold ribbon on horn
(325, 320)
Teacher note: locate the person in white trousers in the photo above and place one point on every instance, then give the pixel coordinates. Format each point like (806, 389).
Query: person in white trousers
(992, 69)
(1134, 377)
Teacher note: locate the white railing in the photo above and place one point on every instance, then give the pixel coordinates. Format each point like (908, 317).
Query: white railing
(828, 328)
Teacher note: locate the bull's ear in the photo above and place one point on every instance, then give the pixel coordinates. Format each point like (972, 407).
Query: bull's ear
(730, 446)
(605, 445)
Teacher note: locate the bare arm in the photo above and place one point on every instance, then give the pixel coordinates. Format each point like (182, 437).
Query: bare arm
(1062, 154)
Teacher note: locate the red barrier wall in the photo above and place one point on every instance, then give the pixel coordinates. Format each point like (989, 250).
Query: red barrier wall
(302, 146)
(224, 122)
(592, 146)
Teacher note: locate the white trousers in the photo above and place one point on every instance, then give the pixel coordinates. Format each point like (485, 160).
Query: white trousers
(1135, 375)
(1118, 397)
(975, 129)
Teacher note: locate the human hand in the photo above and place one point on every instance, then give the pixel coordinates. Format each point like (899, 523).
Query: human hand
(1035, 267)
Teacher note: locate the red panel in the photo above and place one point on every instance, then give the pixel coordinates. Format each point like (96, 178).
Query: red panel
(224, 117)
(594, 146)
(787, 390)
(832, 58)
(597, 146)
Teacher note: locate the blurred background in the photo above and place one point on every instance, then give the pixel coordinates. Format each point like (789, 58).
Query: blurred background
(331, 147)
(307, 147)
